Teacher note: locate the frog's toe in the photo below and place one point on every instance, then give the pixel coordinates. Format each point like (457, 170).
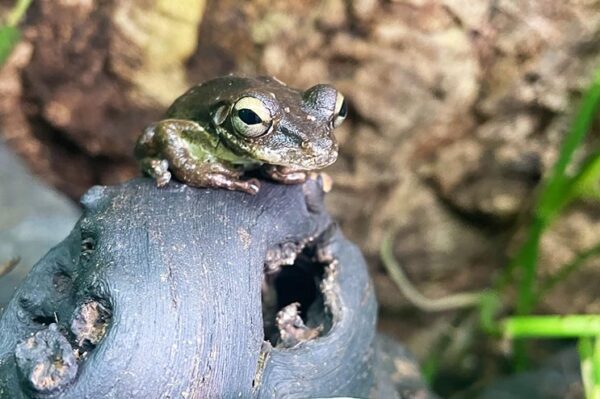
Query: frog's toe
(252, 186)
(160, 166)
(163, 179)
(159, 169)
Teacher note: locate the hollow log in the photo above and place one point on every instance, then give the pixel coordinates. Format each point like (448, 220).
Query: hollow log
(184, 292)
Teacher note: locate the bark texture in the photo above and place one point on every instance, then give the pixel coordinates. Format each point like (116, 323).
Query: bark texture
(159, 293)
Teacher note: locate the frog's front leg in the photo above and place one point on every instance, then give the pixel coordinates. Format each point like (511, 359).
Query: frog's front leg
(149, 156)
(213, 174)
(284, 175)
(166, 149)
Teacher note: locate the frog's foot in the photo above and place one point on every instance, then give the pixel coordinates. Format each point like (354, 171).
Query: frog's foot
(158, 169)
(250, 186)
(282, 174)
(198, 174)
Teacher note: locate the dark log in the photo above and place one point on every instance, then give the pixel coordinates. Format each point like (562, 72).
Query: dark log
(159, 294)
(163, 293)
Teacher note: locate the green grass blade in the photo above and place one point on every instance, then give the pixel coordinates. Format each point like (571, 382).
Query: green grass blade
(489, 307)
(571, 326)
(9, 34)
(567, 269)
(589, 353)
(585, 349)
(553, 197)
(9, 37)
(17, 13)
(596, 369)
(586, 184)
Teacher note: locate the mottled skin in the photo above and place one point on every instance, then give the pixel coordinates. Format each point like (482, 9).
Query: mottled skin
(222, 128)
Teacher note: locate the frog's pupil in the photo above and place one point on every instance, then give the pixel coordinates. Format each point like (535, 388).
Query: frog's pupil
(249, 117)
(343, 109)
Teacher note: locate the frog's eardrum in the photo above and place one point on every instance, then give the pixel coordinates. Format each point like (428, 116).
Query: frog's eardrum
(183, 292)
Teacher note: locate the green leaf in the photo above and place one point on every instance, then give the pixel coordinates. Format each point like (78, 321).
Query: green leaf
(9, 37)
(589, 353)
(586, 184)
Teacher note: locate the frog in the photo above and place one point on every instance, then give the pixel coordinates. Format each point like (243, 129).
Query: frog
(221, 130)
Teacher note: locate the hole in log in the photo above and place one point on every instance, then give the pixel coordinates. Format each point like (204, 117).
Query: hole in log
(44, 320)
(294, 308)
(88, 246)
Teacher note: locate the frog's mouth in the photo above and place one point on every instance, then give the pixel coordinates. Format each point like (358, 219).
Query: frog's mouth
(315, 162)
(301, 162)
(299, 290)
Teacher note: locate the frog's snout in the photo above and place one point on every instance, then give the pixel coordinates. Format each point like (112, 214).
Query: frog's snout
(319, 153)
(318, 147)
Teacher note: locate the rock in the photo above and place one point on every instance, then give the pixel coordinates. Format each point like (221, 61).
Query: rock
(33, 218)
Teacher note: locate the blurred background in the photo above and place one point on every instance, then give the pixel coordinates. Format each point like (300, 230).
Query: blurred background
(457, 114)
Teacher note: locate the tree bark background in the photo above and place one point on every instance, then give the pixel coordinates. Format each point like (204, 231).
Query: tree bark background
(457, 111)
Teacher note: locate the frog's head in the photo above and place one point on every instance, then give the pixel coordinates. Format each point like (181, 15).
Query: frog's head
(265, 120)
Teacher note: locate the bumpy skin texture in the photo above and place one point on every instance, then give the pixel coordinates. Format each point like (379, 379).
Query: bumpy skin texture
(161, 291)
(224, 127)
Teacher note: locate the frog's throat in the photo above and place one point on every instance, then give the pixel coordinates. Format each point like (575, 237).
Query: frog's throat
(236, 145)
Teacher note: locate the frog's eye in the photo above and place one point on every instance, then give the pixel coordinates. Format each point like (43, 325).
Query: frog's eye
(250, 117)
(341, 110)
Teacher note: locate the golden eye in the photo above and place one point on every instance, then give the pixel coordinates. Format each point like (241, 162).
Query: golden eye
(341, 110)
(251, 117)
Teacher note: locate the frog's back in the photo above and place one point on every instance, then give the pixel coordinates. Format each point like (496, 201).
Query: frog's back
(197, 103)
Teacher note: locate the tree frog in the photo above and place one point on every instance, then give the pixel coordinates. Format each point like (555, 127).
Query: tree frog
(227, 126)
